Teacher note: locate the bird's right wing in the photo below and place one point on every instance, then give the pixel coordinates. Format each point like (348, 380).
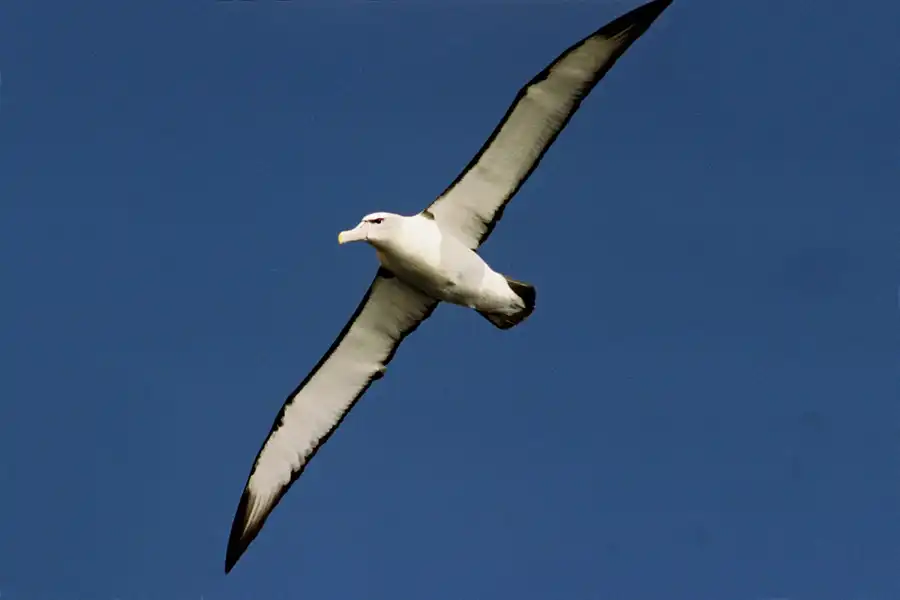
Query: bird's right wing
(389, 312)
(473, 204)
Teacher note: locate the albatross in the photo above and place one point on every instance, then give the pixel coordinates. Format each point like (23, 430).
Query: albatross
(426, 259)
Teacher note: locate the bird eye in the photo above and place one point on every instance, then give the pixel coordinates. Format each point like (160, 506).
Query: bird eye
(376, 221)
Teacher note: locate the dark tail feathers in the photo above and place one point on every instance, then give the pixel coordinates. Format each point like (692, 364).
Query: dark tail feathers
(523, 290)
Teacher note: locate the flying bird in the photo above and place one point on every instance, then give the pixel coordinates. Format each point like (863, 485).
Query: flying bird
(430, 258)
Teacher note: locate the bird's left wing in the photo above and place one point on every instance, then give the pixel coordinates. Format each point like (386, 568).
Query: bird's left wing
(474, 202)
(389, 312)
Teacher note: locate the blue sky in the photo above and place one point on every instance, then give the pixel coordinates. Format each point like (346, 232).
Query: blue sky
(703, 406)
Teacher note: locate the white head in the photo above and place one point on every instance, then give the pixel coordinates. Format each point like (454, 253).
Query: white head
(374, 228)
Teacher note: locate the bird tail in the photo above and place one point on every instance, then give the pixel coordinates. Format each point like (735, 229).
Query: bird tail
(523, 290)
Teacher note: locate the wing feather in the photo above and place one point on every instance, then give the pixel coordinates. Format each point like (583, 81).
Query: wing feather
(388, 312)
(471, 206)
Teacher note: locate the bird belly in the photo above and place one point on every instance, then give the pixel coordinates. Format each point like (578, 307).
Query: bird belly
(469, 282)
(429, 277)
(445, 269)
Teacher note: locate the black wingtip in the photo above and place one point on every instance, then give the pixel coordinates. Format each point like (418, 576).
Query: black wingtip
(241, 535)
(653, 8)
(642, 16)
(230, 561)
(231, 558)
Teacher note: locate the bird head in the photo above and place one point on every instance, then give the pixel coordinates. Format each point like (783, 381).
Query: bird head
(373, 228)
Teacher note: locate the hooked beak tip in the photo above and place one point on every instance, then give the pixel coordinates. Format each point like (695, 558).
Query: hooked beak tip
(347, 236)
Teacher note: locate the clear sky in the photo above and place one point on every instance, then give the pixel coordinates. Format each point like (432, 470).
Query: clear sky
(703, 407)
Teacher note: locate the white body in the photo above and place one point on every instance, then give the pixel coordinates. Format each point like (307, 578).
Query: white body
(416, 250)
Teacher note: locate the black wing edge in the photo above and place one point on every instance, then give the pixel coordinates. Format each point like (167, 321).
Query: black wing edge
(641, 18)
(241, 535)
